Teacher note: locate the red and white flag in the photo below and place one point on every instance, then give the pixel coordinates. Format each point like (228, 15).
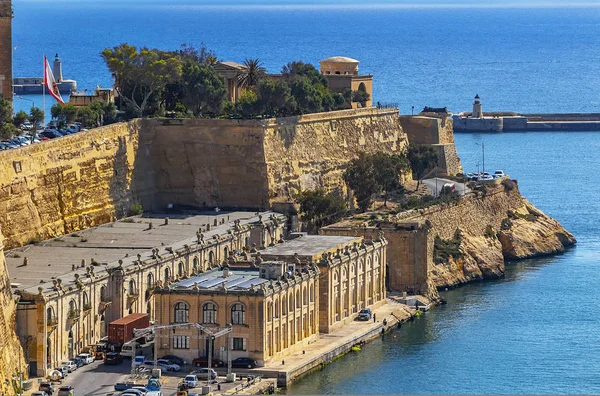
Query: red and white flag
(50, 82)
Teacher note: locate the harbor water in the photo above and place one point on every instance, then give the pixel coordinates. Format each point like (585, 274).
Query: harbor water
(536, 330)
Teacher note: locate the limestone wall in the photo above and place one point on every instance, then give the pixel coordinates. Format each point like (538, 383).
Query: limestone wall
(436, 130)
(205, 163)
(67, 184)
(6, 49)
(312, 151)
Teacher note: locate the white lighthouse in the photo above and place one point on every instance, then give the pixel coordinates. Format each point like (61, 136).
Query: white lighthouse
(57, 69)
(477, 112)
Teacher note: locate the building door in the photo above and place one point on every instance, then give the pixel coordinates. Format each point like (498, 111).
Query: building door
(70, 344)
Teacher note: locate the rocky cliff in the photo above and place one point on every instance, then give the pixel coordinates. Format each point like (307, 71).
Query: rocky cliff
(473, 237)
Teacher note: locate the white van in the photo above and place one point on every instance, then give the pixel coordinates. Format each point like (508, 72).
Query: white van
(127, 349)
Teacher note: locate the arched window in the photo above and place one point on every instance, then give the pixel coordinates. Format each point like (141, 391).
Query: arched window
(298, 301)
(103, 295)
(150, 281)
(211, 258)
(73, 311)
(238, 314)
(182, 312)
(225, 253)
(269, 311)
(305, 296)
(50, 317)
(209, 313)
(196, 264)
(312, 293)
(284, 305)
(131, 289)
(166, 274)
(291, 302)
(276, 308)
(180, 269)
(86, 301)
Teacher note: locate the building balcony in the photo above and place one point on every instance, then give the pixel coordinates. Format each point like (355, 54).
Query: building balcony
(86, 308)
(51, 324)
(132, 295)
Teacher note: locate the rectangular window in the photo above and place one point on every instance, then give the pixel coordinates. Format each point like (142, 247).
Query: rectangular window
(239, 344)
(181, 342)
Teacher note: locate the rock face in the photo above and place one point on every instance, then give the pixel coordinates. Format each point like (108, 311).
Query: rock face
(498, 226)
(536, 235)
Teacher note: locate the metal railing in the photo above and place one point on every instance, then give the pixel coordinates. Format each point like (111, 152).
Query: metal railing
(386, 105)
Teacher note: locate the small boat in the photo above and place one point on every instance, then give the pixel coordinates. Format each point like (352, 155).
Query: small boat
(355, 348)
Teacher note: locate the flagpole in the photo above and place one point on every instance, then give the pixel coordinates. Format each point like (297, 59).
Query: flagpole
(44, 92)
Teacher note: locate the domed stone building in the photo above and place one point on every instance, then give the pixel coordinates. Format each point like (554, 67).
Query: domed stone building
(342, 74)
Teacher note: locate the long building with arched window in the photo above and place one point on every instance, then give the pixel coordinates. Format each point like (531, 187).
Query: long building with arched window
(72, 287)
(271, 308)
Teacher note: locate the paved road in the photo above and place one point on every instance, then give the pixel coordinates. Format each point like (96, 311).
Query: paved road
(460, 188)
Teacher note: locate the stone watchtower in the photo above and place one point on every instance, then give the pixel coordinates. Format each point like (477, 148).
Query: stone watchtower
(477, 111)
(6, 49)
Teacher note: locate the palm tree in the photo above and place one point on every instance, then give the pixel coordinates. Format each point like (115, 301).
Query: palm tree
(253, 71)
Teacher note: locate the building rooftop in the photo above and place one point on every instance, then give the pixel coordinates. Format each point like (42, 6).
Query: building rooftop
(108, 243)
(312, 246)
(339, 59)
(214, 280)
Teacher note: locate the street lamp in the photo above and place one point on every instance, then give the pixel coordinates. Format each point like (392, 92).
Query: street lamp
(412, 112)
(483, 156)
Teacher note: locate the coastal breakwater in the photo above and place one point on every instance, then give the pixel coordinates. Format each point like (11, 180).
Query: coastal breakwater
(466, 240)
(515, 122)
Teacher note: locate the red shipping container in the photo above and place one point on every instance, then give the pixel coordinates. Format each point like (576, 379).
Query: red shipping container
(121, 330)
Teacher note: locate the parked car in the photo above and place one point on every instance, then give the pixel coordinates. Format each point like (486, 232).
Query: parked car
(62, 370)
(139, 360)
(86, 357)
(133, 392)
(46, 387)
(191, 380)
(40, 393)
(174, 359)
(169, 365)
(365, 314)
(78, 361)
(113, 358)
(243, 362)
(203, 374)
(149, 364)
(485, 177)
(65, 390)
(203, 362)
(499, 173)
(98, 355)
(50, 134)
(69, 365)
(448, 188)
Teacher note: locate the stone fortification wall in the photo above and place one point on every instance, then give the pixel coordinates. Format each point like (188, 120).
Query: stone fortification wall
(205, 163)
(67, 184)
(6, 49)
(312, 151)
(435, 130)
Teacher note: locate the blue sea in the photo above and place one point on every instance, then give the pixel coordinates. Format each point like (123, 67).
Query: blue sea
(535, 331)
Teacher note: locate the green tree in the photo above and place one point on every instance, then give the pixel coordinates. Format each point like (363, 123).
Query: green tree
(361, 97)
(203, 90)
(140, 75)
(252, 73)
(36, 116)
(89, 117)
(360, 177)
(389, 169)
(110, 112)
(64, 113)
(247, 105)
(319, 208)
(20, 118)
(423, 159)
(275, 98)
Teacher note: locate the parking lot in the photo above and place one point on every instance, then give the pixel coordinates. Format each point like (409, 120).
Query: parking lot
(99, 379)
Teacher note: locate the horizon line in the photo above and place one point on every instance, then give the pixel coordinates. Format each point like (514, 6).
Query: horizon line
(350, 6)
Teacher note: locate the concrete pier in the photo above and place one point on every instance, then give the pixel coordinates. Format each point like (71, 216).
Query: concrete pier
(332, 345)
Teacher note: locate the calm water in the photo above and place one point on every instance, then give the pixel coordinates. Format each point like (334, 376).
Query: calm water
(517, 59)
(537, 330)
